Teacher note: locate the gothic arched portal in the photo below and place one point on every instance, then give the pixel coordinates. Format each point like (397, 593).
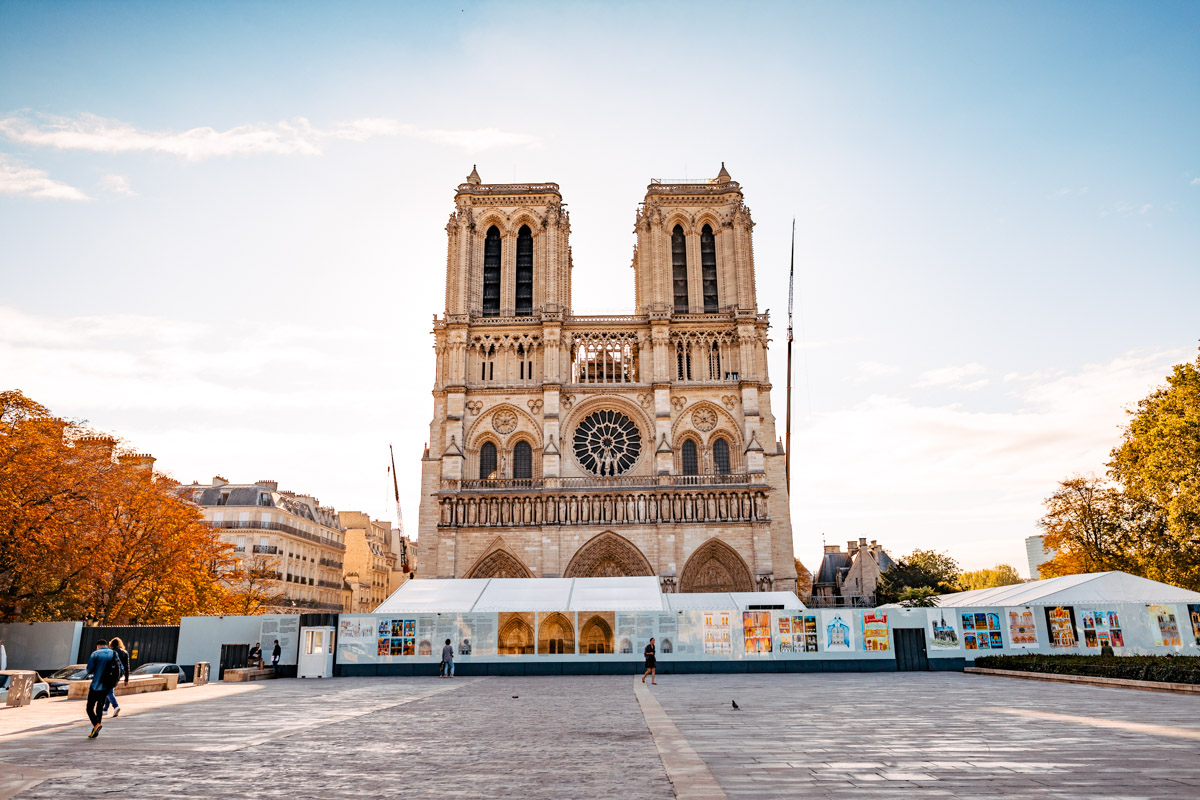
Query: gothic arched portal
(499, 564)
(556, 634)
(608, 556)
(715, 567)
(516, 638)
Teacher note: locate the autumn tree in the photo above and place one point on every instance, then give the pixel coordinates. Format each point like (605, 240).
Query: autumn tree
(254, 587)
(804, 579)
(919, 569)
(999, 575)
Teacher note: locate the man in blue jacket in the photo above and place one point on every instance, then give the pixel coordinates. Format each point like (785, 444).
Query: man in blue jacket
(102, 665)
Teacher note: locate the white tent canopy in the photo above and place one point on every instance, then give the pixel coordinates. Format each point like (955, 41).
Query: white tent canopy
(482, 595)
(1069, 590)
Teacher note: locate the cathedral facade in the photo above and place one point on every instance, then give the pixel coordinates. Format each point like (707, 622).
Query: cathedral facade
(583, 446)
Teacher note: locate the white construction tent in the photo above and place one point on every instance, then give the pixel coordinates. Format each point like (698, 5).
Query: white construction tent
(1074, 590)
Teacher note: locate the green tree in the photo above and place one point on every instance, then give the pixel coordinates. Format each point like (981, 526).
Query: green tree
(1157, 464)
(920, 568)
(999, 575)
(920, 597)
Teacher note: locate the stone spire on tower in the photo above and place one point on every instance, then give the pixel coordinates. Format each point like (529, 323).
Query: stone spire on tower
(473, 178)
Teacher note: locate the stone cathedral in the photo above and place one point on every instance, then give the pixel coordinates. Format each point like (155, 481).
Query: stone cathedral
(584, 446)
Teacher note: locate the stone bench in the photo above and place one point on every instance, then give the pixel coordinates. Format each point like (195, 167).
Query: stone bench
(138, 684)
(248, 674)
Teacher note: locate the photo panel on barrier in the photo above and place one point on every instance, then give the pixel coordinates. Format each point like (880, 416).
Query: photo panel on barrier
(797, 632)
(981, 629)
(515, 633)
(941, 631)
(839, 630)
(596, 632)
(718, 632)
(1060, 624)
(1166, 625)
(875, 632)
(556, 633)
(1101, 627)
(1194, 617)
(1022, 629)
(356, 640)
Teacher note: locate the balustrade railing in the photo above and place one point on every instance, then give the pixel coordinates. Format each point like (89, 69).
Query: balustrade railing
(597, 482)
(257, 525)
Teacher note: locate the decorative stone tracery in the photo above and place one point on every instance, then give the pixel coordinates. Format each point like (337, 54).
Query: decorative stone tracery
(608, 556)
(716, 567)
(499, 564)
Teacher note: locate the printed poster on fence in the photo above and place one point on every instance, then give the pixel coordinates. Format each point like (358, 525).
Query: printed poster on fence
(875, 631)
(756, 631)
(356, 629)
(838, 631)
(1194, 616)
(396, 637)
(1167, 625)
(1022, 630)
(1102, 627)
(943, 635)
(717, 640)
(981, 630)
(1060, 621)
(798, 634)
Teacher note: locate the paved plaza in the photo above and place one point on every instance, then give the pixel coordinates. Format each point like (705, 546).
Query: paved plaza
(820, 735)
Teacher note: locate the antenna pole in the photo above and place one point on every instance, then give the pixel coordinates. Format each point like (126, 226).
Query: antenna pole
(399, 513)
(787, 446)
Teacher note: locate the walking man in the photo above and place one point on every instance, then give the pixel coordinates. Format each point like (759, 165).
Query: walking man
(105, 669)
(118, 647)
(275, 654)
(448, 660)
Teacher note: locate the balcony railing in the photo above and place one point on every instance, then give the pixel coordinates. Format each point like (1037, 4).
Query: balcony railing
(266, 549)
(596, 482)
(329, 584)
(241, 549)
(313, 604)
(329, 562)
(256, 525)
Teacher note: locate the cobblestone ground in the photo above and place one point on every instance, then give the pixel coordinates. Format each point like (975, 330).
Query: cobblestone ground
(936, 735)
(877, 736)
(383, 737)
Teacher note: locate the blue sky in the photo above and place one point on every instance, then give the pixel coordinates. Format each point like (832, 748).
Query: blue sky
(221, 225)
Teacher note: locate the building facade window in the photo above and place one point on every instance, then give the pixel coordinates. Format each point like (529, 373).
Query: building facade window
(708, 269)
(491, 273)
(522, 460)
(524, 272)
(487, 461)
(679, 269)
(691, 464)
(721, 456)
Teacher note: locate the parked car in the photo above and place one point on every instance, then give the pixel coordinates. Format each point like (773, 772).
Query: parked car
(59, 682)
(160, 668)
(40, 688)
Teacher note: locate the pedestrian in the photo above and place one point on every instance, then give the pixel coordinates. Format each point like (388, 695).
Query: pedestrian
(448, 660)
(256, 655)
(105, 668)
(651, 663)
(118, 647)
(275, 654)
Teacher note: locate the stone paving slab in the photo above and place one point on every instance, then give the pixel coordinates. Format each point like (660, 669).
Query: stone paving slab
(890, 735)
(366, 737)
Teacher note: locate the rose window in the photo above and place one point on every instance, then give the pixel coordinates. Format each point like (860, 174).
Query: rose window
(607, 443)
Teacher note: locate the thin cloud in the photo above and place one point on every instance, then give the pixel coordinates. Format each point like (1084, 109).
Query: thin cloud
(954, 377)
(117, 184)
(1195, 181)
(92, 133)
(869, 370)
(18, 179)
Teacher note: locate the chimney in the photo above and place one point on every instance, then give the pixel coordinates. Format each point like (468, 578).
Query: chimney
(833, 548)
(101, 446)
(219, 481)
(851, 546)
(862, 542)
(143, 462)
(272, 485)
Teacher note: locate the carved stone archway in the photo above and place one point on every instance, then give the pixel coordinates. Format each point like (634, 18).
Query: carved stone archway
(715, 567)
(608, 556)
(498, 563)
(516, 638)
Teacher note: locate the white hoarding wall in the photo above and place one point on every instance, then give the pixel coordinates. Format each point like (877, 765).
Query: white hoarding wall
(46, 646)
(200, 638)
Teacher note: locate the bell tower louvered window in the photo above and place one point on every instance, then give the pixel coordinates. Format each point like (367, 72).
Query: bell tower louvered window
(524, 272)
(691, 465)
(679, 270)
(522, 460)
(708, 269)
(487, 461)
(491, 273)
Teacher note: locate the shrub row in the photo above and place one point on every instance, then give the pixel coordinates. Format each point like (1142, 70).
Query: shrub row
(1164, 669)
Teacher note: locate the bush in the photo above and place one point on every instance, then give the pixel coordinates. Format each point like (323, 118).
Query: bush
(1163, 669)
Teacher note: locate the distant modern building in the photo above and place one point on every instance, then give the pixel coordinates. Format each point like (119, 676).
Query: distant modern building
(1036, 552)
(850, 578)
(292, 534)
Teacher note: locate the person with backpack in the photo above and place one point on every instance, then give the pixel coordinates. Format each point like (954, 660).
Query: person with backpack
(105, 668)
(117, 647)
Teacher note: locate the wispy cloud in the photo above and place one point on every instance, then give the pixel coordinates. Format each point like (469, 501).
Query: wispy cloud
(117, 184)
(19, 179)
(954, 377)
(92, 133)
(1064, 192)
(869, 370)
(1195, 181)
